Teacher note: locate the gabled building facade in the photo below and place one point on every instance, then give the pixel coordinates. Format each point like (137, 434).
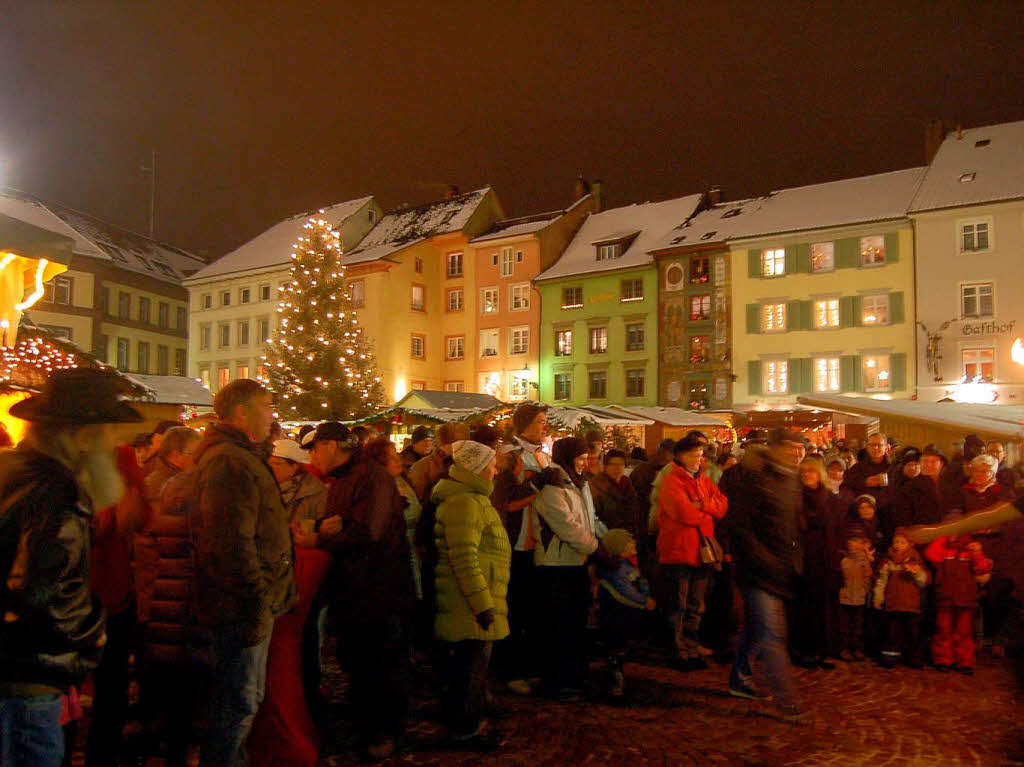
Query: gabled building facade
(122, 299)
(599, 308)
(507, 258)
(413, 280)
(969, 222)
(823, 291)
(233, 301)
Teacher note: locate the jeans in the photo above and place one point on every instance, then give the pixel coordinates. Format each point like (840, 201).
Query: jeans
(467, 684)
(685, 588)
(30, 731)
(237, 684)
(110, 703)
(904, 636)
(764, 637)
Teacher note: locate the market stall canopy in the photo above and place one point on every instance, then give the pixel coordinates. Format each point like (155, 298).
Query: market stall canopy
(433, 415)
(941, 422)
(174, 390)
(675, 416)
(568, 417)
(34, 242)
(425, 399)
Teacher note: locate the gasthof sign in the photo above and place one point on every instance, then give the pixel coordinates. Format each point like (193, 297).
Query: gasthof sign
(991, 327)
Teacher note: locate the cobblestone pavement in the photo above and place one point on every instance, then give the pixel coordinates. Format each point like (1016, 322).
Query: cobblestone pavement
(863, 715)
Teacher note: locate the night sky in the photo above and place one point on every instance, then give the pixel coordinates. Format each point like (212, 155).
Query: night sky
(261, 110)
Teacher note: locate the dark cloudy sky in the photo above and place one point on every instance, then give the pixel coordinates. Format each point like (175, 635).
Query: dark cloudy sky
(259, 110)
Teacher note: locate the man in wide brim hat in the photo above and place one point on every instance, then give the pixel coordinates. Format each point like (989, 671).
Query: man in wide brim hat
(63, 466)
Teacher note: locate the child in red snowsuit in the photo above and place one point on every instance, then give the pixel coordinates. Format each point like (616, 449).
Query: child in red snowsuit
(960, 565)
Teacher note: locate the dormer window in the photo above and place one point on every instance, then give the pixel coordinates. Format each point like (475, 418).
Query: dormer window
(982, 142)
(967, 177)
(608, 252)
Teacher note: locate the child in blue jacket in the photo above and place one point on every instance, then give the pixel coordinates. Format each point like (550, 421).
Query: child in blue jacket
(623, 596)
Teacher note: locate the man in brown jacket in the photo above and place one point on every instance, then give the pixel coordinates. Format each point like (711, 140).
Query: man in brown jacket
(426, 472)
(244, 557)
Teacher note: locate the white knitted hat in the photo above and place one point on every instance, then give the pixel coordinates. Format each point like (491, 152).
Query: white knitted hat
(471, 456)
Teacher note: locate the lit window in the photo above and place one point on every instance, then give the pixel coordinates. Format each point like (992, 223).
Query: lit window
(700, 307)
(454, 264)
(773, 262)
(456, 347)
(699, 270)
(518, 386)
(519, 297)
(418, 346)
(773, 317)
(974, 236)
(204, 377)
(598, 340)
(875, 373)
(872, 250)
(489, 301)
(635, 336)
(698, 396)
(572, 298)
(826, 313)
(875, 310)
(357, 293)
(700, 349)
(632, 290)
(598, 380)
(453, 386)
(519, 341)
(489, 343)
(635, 381)
(455, 300)
(242, 371)
(223, 377)
(823, 256)
(419, 298)
(775, 376)
(979, 365)
(826, 374)
(608, 252)
(977, 299)
(563, 343)
(563, 386)
(507, 261)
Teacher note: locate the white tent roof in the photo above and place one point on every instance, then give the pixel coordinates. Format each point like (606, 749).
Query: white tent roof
(994, 420)
(674, 416)
(570, 417)
(175, 390)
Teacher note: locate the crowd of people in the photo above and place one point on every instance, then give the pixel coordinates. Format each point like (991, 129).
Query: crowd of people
(213, 568)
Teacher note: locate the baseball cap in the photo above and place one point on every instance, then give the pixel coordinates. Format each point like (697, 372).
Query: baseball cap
(333, 431)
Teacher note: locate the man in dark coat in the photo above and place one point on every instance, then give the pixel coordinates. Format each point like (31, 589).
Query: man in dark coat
(765, 541)
(244, 575)
(918, 500)
(1006, 476)
(642, 477)
(372, 594)
(615, 499)
(420, 446)
(52, 633)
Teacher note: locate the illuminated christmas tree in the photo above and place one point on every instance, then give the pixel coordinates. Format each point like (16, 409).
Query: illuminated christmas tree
(319, 362)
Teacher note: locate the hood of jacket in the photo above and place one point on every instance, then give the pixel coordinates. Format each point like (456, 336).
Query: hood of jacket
(461, 481)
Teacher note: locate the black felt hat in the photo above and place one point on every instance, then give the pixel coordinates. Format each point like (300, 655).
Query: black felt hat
(78, 395)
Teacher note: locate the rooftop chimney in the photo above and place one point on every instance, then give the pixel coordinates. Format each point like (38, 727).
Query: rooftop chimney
(597, 192)
(934, 135)
(580, 189)
(715, 195)
(959, 132)
(450, 191)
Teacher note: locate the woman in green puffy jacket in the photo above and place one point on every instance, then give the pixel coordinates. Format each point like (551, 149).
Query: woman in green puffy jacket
(474, 558)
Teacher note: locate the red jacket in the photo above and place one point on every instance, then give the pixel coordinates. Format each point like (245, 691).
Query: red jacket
(687, 506)
(955, 569)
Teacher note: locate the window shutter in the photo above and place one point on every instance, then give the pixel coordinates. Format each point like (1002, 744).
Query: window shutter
(858, 313)
(801, 370)
(849, 373)
(892, 248)
(898, 371)
(793, 316)
(791, 264)
(896, 307)
(848, 253)
(802, 257)
(754, 377)
(807, 315)
(754, 263)
(753, 318)
(846, 312)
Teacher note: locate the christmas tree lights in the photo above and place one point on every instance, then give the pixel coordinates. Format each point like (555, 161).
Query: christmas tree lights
(319, 361)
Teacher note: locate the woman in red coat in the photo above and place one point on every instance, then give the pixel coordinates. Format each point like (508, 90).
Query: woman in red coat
(688, 505)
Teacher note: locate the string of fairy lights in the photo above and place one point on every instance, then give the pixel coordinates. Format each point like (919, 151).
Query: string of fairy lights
(31, 357)
(318, 332)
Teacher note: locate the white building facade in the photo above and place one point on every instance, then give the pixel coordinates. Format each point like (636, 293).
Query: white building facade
(968, 219)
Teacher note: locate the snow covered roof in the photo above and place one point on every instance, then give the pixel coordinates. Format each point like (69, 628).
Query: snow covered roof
(570, 417)
(517, 227)
(273, 247)
(450, 400)
(174, 390)
(980, 165)
(406, 226)
(716, 224)
(637, 226)
(989, 420)
(92, 237)
(674, 416)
